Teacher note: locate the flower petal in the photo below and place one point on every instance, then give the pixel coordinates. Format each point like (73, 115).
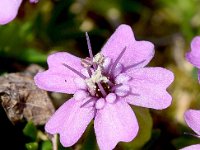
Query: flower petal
(192, 118)
(33, 1)
(194, 55)
(114, 123)
(59, 78)
(148, 86)
(192, 147)
(138, 53)
(70, 121)
(8, 10)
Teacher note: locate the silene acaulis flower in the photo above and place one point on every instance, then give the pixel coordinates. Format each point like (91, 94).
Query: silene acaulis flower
(194, 55)
(9, 10)
(192, 118)
(103, 86)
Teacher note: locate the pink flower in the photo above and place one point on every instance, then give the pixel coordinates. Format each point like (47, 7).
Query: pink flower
(192, 118)
(103, 86)
(194, 55)
(9, 10)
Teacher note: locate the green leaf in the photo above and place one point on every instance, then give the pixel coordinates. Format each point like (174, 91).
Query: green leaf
(185, 140)
(32, 146)
(145, 128)
(47, 145)
(30, 130)
(90, 141)
(33, 56)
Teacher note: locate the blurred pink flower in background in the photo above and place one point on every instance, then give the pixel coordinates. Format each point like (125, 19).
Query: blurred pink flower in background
(192, 118)
(9, 10)
(194, 55)
(103, 86)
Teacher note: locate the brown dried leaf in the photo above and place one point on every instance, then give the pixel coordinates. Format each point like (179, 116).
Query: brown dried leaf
(21, 98)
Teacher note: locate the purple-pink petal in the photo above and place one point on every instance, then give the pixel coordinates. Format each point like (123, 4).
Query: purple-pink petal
(194, 55)
(70, 121)
(114, 123)
(148, 86)
(138, 53)
(192, 118)
(33, 1)
(192, 147)
(8, 10)
(59, 78)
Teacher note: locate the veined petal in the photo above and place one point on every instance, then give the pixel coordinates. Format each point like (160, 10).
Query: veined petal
(137, 54)
(192, 118)
(70, 121)
(8, 10)
(148, 86)
(114, 123)
(59, 78)
(194, 55)
(192, 147)
(56, 61)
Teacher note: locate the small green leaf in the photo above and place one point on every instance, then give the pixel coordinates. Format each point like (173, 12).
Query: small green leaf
(145, 127)
(90, 141)
(185, 140)
(33, 55)
(30, 130)
(32, 146)
(47, 145)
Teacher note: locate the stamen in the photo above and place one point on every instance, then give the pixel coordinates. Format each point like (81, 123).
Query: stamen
(103, 92)
(89, 71)
(75, 71)
(90, 48)
(116, 86)
(110, 83)
(89, 45)
(117, 61)
(87, 102)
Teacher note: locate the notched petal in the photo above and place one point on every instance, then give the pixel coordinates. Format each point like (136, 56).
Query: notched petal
(192, 118)
(114, 123)
(70, 121)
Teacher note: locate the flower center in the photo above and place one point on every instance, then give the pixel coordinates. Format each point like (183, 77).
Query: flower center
(98, 82)
(101, 80)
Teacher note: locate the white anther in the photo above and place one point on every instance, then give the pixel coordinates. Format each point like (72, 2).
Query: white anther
(98, 59)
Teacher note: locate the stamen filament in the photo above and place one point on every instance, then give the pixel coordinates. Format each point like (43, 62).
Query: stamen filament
(117, 61)
(89, 71)
(116, 86)
(87, 102)
(90, 49)
(89, 45)
(75, 71)
(110, 83)
(103, 92)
